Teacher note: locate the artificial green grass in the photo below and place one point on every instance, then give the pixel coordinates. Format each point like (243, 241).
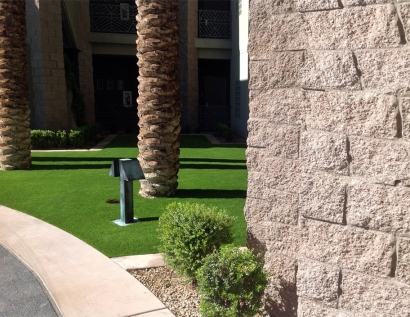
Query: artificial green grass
(70, 189)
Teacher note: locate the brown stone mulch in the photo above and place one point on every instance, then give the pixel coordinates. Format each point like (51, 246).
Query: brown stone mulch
(176, 292)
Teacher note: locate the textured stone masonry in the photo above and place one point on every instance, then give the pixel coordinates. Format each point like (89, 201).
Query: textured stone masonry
(384, 159)
(387, 70)
(282, 178)
(284, 74)
(330, 70)
(318, 281)
(279, 207)
(323, 197)
(403, 260)
(309, 308)
(369, 114)
(405, 118)
(281, 290)
(324, 151)
(368, 294)
(284, 240)
(263, 41)
(282, 140)
(344, 29)
(347, 247)
(287, 106)
(329, 155)
(379, 207)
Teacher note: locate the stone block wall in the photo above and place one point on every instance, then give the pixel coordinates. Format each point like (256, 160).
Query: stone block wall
(47, 78)
(188, 64)
(85, 59)
(328, 202)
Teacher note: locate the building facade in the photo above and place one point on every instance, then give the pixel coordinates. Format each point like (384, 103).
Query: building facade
(98, 37)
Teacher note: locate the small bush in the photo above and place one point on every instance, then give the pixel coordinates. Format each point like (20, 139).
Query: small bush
(76, 138)
(90, 131)
(231, 283)
(61, 138)
(42, 139)
(188, 232)
(225, 131)
(36, 139)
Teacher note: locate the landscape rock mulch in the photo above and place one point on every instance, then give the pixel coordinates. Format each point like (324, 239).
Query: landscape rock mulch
(177, 293)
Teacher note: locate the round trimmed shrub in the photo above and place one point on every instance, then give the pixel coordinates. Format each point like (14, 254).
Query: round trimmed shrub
(190, 231)
(231, 283)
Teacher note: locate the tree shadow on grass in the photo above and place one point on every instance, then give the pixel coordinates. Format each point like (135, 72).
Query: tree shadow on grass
(146, 219)
(50, 167)
(71, 163)
(210, 193)
(72, 159)
(210, 160)
(213, 166)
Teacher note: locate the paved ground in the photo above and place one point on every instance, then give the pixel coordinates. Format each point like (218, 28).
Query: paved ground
(47, 272)
(20, 292)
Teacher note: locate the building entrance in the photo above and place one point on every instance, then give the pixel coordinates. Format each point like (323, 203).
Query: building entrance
(214, 103)
(115, 86)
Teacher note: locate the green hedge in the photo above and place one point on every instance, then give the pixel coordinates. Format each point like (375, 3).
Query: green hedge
(231, 283)
(225, 131)
(45, 139)
(189, 231)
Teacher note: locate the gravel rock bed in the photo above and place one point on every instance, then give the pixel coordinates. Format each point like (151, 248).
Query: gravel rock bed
(176, 292)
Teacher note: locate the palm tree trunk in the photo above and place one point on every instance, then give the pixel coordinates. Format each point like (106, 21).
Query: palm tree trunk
(15, 145)
(159, 105)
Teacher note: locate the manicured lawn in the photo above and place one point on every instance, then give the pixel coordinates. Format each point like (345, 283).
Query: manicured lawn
(70, 189)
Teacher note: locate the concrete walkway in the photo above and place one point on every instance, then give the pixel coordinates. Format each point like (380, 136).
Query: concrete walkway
(47, 272)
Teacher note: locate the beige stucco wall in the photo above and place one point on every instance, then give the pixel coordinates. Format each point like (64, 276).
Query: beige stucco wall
(328, 200)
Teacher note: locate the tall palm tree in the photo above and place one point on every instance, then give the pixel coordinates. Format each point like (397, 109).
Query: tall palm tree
(15, 145)
(159, 104)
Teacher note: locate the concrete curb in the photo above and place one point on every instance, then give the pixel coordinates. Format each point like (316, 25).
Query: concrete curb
(79, 280)
(144, 261)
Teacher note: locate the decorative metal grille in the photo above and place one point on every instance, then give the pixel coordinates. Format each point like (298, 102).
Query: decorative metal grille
(111, 18)
(214, 24)
(116, 117)
(210, 116)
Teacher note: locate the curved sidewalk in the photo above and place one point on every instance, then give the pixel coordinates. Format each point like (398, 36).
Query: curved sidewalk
(78, 280)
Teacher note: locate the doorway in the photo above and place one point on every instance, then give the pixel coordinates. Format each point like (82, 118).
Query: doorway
(115, 87)
(214, 96)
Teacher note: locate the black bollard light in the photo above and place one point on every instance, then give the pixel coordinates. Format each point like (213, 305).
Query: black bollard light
(128, 170)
